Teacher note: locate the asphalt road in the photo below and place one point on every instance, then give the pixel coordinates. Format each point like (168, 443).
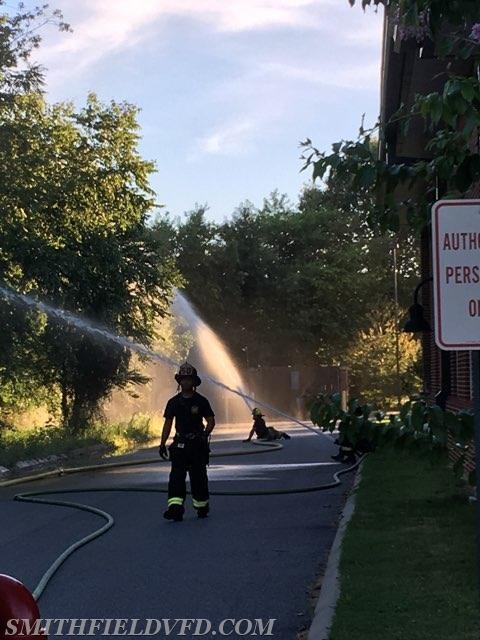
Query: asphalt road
(254, 557)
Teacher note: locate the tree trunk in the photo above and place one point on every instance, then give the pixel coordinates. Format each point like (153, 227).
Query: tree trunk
(81, 415)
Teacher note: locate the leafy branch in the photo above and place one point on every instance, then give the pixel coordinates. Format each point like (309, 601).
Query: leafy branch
(418, 428)
(451, 119)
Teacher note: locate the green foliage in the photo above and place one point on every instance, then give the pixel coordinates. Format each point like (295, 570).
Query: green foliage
(20, 34)
(173, 337)
(456, 12)
(75, 201)
(19, 356)
(41, 442)
(75, 197)
(372, 361)
(16, 445)
(139, 429)
(354, 423)
(419, 427)
(273, 281)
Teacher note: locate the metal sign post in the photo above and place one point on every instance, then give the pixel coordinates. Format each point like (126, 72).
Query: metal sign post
(456, 284)
(476, 395)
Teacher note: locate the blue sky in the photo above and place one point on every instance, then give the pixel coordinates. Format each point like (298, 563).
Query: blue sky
(227, 88)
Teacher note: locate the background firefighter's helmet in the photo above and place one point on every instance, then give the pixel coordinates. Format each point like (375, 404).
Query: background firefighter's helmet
(256, 412)
(188, 370)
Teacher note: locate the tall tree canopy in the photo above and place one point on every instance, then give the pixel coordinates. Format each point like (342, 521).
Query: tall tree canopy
(288, 284)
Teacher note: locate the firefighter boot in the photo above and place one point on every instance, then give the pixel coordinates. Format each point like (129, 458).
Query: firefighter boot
(202, 512)
(174, 512)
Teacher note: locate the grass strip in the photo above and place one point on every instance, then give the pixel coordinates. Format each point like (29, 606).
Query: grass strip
(408, 565)
(40, 442)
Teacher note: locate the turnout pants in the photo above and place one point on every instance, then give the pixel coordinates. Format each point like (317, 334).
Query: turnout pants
(189, 454)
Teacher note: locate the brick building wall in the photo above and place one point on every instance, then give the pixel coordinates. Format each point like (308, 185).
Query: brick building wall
(444, 372)
(410, 68)
(449, 372)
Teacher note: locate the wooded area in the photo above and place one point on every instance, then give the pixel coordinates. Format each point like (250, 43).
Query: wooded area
(310, 282)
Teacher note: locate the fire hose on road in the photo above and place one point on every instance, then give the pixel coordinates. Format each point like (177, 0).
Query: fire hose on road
(40, 497)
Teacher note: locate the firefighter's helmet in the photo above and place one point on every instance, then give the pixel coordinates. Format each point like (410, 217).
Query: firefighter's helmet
(188, 371)
(256, 412)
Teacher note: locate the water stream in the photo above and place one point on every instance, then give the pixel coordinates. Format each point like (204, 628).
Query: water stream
(207, 340)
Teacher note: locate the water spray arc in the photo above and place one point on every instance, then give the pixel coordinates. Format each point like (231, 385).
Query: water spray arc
(212, 352)
(102, 332)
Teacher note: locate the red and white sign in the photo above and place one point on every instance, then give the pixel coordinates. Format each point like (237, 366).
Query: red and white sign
(456, 273)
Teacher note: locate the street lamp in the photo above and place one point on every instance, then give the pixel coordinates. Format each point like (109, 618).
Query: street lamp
(416, 322)
(397, 337)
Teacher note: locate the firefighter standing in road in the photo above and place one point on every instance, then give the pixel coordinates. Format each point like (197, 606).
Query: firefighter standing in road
(189, 449)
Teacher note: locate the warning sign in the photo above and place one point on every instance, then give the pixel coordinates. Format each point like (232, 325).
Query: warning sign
(456, 273)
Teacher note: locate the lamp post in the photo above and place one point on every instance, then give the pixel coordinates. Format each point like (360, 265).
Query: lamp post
(397, 335)
(416, 322)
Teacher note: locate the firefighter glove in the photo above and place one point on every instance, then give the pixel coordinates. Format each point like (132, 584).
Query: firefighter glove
(162, 452)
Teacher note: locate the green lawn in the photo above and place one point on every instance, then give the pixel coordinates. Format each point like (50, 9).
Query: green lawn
(408, 562)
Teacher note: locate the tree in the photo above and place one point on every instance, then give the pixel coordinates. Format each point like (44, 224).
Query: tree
(371, 360)
(198, 259)
(20, 34)
(75, 196)
(275, 280)
(20, 356)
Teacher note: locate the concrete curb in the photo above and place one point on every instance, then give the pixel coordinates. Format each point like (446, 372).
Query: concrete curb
(53, 460)
(330, 590)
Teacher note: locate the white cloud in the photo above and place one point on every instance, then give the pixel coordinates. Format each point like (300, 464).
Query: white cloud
(229, 139)
(338, 47)
(244, 15)
(103, 26)
(353, 28)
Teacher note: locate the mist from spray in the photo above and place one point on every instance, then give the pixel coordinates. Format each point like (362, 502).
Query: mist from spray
(97, 330)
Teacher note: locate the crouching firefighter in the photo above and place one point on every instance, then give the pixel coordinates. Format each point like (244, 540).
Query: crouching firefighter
(262, 431)
(189, 450)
